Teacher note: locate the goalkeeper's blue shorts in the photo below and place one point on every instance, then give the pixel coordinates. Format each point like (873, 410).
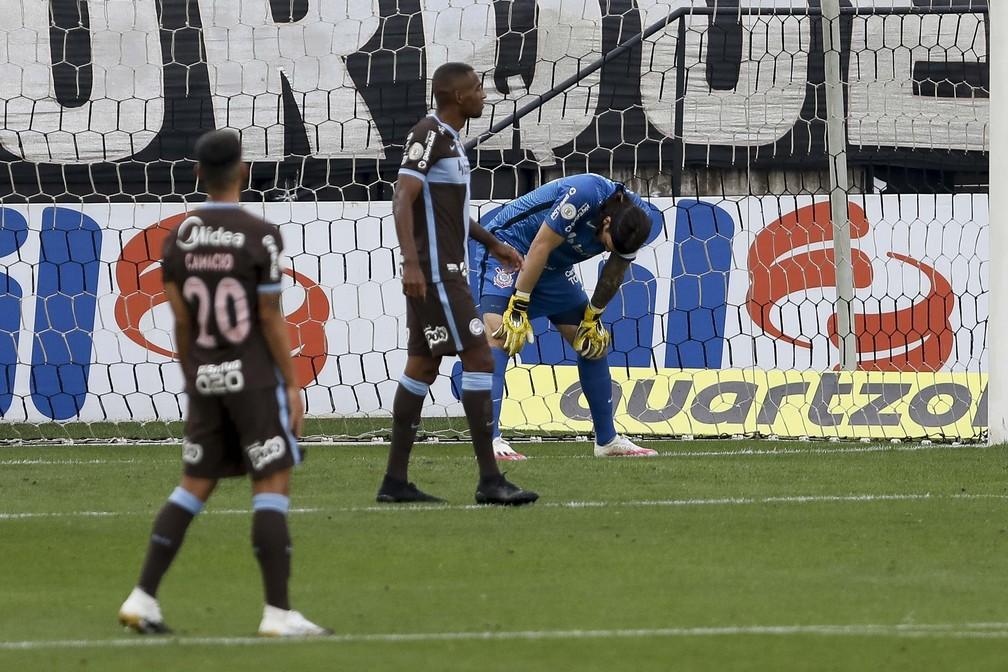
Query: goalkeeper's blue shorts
(559, 294)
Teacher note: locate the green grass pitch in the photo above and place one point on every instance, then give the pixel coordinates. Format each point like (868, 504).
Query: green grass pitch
(714, 556)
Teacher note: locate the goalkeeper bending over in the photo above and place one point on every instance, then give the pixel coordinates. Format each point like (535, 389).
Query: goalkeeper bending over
(556, 226)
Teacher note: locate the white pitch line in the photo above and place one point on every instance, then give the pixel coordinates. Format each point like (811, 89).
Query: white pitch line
(932, 630)
(741, 452)
(812, 449)
(72, 462)
(435, 508)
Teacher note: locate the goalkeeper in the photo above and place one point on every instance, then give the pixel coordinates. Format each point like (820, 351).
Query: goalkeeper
(556, 226)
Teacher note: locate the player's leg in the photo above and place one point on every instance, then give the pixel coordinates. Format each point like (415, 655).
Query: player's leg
(493, 487)
(421, 370)
(141, 611)
(269, 451)
(271, 544)
(271, 541)
(596, 385)
(477, 382)
(562, 294)
(477, 379)
(492, 287)
(202, 454)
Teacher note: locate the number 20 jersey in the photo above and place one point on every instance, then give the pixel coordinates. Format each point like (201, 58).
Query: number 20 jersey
(221, 258)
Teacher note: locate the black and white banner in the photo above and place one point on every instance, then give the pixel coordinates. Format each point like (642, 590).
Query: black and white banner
(105, 97)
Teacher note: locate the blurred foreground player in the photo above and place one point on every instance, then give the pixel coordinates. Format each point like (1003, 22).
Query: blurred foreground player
(222, 276)
(431, 209)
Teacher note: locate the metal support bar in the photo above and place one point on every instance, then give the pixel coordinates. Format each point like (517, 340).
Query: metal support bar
(836, 136)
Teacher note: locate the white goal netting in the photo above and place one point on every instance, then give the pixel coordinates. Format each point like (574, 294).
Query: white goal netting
(726, 325)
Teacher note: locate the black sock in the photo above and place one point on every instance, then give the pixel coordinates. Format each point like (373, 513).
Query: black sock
(406, 408)
(478, 407)
(169, 530)
(271, 544)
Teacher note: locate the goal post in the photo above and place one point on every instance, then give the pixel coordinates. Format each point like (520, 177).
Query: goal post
(839, 186)
(998, 321)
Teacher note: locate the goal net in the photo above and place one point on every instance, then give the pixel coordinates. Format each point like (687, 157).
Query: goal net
(727, 323)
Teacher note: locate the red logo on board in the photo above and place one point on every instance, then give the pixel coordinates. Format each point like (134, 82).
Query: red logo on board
(795, 254)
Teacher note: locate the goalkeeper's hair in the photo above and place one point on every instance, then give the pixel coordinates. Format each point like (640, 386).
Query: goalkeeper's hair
(445, 79)
(629, 229)
(219, 156)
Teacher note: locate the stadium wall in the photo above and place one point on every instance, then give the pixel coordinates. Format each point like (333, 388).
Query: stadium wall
(733, 286)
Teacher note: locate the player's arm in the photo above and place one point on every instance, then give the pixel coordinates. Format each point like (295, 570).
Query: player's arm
(510, 258)
(407, 190)
(275, 331)
(610, 280)
(183, 323)
(545, 241)
(515, 329)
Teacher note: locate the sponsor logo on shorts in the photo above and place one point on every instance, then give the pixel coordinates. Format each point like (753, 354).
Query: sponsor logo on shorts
(476, 326)
(270, 450)
(572, 277)
(435, 335)
(502, 278)
(192, 453)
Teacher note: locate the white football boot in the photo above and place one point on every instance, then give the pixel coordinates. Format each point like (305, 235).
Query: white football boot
(142, 613)
(280, 623)
(503, 450)
(621, 446)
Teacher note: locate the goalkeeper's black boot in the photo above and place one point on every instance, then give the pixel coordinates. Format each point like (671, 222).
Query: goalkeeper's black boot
(499, 490)
(393, 491)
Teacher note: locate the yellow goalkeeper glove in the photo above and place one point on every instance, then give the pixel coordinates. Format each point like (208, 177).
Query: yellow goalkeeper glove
(516, 330)
(592, 339)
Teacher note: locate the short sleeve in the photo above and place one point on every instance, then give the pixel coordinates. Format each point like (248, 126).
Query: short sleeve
(269, 269)
(577, 203)
(423, 149)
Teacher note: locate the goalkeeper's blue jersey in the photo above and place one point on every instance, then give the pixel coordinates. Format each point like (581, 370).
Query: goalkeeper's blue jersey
(570, 206)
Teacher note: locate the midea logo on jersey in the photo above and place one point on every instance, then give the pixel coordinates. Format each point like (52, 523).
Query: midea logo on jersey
(194, 233)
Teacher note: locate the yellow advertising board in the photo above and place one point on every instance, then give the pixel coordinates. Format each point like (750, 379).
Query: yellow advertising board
(725, 402)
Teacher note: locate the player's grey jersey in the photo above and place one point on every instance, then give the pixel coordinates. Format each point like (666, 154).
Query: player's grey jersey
(434, 154)
(220, 258)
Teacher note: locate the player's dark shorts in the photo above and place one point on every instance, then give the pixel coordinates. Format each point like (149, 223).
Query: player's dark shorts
(245, 432)
(445, 322)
